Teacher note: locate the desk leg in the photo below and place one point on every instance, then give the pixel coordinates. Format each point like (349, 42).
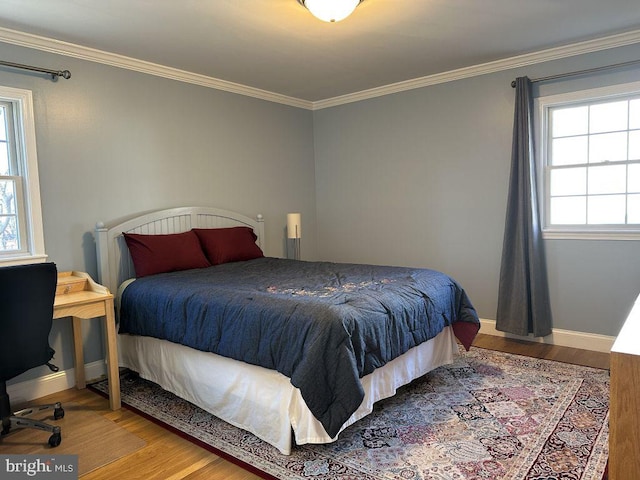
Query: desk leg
(112, 356)
(78, 353)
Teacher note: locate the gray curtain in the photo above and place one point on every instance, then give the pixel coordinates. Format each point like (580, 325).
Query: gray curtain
(523, 297)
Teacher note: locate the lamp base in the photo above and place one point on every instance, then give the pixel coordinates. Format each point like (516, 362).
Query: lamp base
(293, 250)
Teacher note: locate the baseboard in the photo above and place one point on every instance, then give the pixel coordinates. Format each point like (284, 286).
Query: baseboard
(53, 383)
(564, 338)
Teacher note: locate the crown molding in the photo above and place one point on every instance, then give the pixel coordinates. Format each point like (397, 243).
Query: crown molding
(120, 61)
(589, 46)
(112, 59)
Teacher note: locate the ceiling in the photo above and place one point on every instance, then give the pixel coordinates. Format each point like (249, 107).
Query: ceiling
(278, 46)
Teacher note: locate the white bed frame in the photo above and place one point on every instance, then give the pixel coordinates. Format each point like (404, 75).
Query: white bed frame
(114, 262)
(256, 399)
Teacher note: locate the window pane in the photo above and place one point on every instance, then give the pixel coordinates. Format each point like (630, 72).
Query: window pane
(569, 150)
(4, 159)
(608, 147)
(9, 239)
(608, 117)
(607, 209)
(634, 145)
(569, 121)
(7, 197)
(3, 123)
(634, 178)
(569, 211)
(8, 234)
(4, 155)
(633, 209)
(608, 179)
(569, 181)
(634, 113)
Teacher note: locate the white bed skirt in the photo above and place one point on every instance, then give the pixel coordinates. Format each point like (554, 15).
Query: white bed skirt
(263, 401)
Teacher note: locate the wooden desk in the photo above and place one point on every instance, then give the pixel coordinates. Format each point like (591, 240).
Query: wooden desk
(624, 410)
(79, 297)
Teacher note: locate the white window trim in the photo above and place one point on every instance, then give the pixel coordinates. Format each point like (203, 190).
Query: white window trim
(542, 106)
(23, 101)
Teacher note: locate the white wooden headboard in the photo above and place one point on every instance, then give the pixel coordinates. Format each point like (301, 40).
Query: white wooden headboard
(114, 262)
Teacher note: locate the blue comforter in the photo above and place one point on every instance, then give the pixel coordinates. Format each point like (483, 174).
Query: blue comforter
(323, 325)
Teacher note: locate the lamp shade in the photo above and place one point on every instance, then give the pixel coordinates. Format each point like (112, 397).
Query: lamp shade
(331, 10)
(294, 226)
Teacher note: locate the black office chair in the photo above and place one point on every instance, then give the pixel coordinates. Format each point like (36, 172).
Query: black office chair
(27, 293)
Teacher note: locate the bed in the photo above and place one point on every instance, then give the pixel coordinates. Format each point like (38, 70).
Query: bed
(291, 351)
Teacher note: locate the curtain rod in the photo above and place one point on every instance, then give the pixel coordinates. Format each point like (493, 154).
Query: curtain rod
(66, 74)
(579, 72)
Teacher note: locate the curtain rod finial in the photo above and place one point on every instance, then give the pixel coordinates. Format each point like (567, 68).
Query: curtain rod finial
(513, 84)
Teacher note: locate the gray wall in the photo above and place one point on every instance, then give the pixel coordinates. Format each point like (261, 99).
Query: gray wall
(113, 142)
(420, 178)
(416, 178)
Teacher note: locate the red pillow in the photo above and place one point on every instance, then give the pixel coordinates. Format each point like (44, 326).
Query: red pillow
(233, 244)
(165, 253)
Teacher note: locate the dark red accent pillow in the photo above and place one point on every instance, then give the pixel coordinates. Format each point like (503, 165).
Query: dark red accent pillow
(233, 244)
(165, 253)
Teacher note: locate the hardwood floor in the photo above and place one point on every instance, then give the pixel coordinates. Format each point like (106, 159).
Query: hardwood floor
(576, 356)
(169, 457)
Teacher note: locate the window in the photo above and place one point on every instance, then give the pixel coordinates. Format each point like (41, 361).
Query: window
(590, 157)
(21, 237)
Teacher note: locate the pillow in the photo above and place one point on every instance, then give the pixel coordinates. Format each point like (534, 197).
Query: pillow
(233, 244)
(165, 253)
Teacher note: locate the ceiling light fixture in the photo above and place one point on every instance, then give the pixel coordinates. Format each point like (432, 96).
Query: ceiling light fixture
(330, 10)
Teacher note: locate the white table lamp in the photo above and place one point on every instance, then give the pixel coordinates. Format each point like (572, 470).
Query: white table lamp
(294, 232)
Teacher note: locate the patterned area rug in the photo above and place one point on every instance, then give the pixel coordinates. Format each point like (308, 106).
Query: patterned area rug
(490, 415)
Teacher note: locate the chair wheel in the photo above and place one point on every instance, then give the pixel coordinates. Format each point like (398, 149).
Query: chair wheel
(58, 413)
(55, 439)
